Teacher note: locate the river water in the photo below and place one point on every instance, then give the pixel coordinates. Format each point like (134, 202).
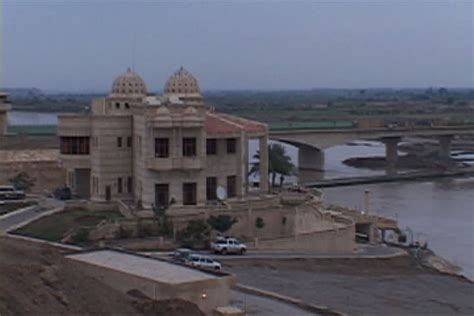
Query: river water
(440, 211)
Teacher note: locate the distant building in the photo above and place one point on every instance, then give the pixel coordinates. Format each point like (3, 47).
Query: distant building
(5, 106)
(158, 149)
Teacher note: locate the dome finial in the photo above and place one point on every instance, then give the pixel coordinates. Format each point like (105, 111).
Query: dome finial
(129, 83)
(182, 82)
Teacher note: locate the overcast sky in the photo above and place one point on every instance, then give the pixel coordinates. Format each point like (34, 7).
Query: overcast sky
(83, 45)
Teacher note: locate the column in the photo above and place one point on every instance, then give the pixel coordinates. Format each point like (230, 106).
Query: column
(242, 165)
(444, 147)
(391, 150)
(310, 158)
(263, 172)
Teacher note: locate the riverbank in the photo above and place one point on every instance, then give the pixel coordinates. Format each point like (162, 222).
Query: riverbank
(396, 286)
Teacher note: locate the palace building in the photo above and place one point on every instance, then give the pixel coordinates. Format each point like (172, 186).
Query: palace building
(158, 149)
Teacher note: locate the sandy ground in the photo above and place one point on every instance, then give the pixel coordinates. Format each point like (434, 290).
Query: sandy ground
(37, 280)
(397, 286)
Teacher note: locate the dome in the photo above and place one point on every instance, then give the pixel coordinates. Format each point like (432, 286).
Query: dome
(130, 83)
(182, 82)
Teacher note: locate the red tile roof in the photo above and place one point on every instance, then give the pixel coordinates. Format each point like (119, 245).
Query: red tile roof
(218, 123)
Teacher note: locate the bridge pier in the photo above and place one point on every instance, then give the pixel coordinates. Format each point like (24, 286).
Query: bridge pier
(310, 158)
(391, 149)
(445, 147)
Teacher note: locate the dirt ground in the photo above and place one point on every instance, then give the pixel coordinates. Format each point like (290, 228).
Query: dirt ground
(37, 280)
(397, 286)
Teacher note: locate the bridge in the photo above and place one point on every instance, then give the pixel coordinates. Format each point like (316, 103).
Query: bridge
(311, 142)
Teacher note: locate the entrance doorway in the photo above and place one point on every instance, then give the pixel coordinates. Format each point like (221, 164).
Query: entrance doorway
(162, 196)
(107, 193)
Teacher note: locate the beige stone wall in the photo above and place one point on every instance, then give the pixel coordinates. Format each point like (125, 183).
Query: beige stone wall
(22, 142)
(48, 174)
(108, 161)
(330, 241)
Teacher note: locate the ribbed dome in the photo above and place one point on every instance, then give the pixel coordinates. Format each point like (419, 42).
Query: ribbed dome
(182, 82)
(129, 84)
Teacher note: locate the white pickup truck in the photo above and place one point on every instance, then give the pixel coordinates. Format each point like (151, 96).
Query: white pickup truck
(228, 245)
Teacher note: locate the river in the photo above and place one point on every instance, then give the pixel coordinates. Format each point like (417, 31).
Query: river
(441, 211)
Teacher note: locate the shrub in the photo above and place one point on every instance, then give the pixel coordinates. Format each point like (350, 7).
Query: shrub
(165, 227)
(122, 233)
(196, 233)
(23, 181)
(221, 223)
(259, 223)
(82, 235)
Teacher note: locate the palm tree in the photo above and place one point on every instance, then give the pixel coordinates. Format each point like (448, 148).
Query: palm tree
(279, 163)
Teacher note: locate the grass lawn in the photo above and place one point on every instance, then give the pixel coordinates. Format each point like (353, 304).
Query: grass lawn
(13, 206)
(54, 227)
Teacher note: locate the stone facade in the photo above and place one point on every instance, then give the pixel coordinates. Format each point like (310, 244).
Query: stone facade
(158, 149)
(4, 108)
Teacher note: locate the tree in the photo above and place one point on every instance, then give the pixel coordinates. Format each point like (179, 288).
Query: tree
(259, 223)
(195, 233)
(23, 181)
(221, 223)
(279, 163)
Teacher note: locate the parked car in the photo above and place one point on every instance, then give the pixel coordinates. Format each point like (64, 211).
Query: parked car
(200, 261)
(9, 192)
(228, 245)
(181, 255)
(63, 193)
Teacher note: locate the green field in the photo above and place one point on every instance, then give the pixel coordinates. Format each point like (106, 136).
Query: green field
(54, 227)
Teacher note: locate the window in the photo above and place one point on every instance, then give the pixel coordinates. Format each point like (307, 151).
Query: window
(211, 146)
(161, 195)
(139, 145)
(231, 145)
(189, 194)
(129, 141)
(74, 145)
(231, 186)
(119, 141)
(127, 106)
(161, 147)
(95, 184)
(117, 105)
(129, 184)
(189, 147)
(211, 187)
(119, 185)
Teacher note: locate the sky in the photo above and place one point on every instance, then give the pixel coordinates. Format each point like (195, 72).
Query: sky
(77, 46)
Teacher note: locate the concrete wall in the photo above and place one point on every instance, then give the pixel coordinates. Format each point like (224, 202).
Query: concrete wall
(48, 174)
(3, 122)
(22, 142)
(217, 289)
(331, 241)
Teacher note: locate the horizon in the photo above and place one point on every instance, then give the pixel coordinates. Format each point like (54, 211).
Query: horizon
(397, 45)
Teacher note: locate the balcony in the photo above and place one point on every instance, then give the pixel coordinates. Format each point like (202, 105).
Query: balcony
(175, 163)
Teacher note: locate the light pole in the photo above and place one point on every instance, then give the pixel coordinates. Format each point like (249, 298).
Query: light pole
(367, 201)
